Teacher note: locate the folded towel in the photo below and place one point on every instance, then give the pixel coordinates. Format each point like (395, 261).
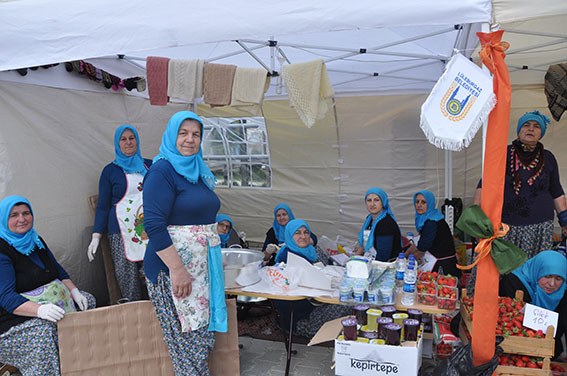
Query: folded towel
(217, 83)
(309, 89)
(556, 89)
(156, 75)
(185, 79)
(248, 89)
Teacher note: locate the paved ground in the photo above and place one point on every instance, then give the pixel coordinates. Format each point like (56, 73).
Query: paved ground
(267, 358)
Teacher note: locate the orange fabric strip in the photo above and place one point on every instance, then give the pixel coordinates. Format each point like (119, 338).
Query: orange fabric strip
(486, 295)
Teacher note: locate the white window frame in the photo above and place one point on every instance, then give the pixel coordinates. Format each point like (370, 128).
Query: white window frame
(223, 128)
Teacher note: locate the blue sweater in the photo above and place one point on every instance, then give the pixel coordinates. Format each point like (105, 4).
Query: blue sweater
(111, 189)
(169, 199)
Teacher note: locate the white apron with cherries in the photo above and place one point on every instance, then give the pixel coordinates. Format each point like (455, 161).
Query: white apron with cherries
(130, 216)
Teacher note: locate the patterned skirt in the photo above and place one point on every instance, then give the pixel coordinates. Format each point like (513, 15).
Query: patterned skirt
(33, 346)
(127, 272)
(532, 238)
(319, 316)
(189, 351)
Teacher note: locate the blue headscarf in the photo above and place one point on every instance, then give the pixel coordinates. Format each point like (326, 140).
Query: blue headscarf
(224, 237)
(279, 229)
(535, 115)
(191, 167)
(385, 210)
(543, 264)
(431, 214)
(307, 253)
(23, 243)
(133, 163)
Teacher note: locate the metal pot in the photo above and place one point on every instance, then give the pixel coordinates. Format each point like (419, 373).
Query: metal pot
(239, 261)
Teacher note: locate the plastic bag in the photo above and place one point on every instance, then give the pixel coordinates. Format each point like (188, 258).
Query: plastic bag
(280, 279)
(461, 363)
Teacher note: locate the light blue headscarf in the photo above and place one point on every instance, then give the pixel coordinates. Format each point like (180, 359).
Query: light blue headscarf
(431, 214)
(23, 243)
(385, 210)
(279, 229)
(535, 115)
(224, 237)
(308, 252)
(191, 167)
(543, 264)
(133, 163)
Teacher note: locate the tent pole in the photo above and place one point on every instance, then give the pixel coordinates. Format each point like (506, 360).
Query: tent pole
(485, 28)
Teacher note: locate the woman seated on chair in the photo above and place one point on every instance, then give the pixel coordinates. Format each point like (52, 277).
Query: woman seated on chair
(380, 235)
(542, 279)
(227, 234)
(35, 293)
(276, 234)
(307, 318)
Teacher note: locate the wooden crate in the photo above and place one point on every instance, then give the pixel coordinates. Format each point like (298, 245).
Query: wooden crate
(519, 371)
(540, 347)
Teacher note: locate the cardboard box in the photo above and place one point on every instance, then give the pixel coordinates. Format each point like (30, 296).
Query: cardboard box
(124, 339)
(355, 358)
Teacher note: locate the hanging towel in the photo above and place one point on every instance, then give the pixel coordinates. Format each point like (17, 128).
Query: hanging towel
(248, 89)
(185, 79)
(556, 89)
(217, 83)
(309, 89)
(156, 75)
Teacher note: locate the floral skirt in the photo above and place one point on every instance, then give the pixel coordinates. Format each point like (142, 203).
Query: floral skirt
(189, 351)
(532, 238)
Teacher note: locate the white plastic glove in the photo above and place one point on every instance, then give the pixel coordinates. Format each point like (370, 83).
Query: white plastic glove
(91, 251)
(242, 235)
(80, 299)
(50, 312)
(272, 248)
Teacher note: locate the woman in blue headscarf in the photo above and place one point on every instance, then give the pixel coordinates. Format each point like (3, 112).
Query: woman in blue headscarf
(119, 212)
(227, 234)
(380, 235)
(276, 234)
(542, 279)
(532, 188)
(435, 235)
(35, 293)
(307, 319)
(183, 261)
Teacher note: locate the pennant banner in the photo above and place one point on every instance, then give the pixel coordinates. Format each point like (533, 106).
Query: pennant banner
(458, 105)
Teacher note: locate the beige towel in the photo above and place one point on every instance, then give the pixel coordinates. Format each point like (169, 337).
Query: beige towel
(248, 89)
(185, 79)
(217, 83)
(309, 89)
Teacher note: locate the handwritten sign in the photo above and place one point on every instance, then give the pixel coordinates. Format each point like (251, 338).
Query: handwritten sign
(540, 318)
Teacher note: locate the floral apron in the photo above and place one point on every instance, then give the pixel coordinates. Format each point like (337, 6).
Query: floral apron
(130, 217)
(198, 247)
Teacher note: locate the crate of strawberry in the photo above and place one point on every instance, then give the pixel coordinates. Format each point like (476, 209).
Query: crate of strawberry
(426, 293)
(447, 292)
(515, 364)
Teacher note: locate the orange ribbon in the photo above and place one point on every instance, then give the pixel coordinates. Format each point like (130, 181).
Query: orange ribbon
(485, 246)
(486, 52)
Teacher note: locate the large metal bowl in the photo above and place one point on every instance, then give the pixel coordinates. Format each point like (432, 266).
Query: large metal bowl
(235, 260)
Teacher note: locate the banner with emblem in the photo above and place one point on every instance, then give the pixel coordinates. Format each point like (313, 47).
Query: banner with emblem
(458, 105)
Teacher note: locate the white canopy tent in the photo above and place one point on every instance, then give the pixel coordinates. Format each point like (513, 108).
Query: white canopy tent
(58, 127)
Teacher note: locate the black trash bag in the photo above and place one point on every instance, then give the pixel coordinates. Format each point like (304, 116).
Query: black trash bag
(460, 363)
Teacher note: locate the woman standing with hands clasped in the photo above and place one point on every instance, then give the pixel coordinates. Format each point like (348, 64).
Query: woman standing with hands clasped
(183, 262)
(119, 211)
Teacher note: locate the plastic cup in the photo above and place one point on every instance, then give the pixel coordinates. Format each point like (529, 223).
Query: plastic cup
(345, 293)
(358, 294)
(372, 315)
(369, 335)
(373, 296)
(359, 311)
(362, 340)
(393, 334)
(388, 311)
(387, 295)
(377, 342)
(399, 319)
(411, 327)
(349, 328)
(382, 322)
(414, 313)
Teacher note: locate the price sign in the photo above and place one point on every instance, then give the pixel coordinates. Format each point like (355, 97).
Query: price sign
(538, 318)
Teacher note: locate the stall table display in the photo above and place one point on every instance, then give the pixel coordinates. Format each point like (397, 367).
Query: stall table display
(524, 353)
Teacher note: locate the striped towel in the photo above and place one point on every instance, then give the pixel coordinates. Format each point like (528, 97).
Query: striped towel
(156, 75)
(185, 79)
(309, 89)
(217, 83)
(248, 90)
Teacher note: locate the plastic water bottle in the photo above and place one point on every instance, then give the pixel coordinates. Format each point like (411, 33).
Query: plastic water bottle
(400, 269)
(410, 276)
